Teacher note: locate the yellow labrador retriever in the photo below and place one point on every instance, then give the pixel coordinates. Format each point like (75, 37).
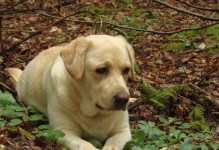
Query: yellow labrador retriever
(82, 89)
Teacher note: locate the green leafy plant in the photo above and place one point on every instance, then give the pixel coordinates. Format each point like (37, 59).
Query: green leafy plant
(46, 131)
(178, 135)
(14, 116)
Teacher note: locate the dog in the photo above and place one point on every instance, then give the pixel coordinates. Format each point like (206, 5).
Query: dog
(82, 88)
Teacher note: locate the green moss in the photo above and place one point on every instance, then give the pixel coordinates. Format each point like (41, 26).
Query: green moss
(94, 9)
(184, 90)
(212, 51)
(176, 46)
(193, 33)
(200, 126)
(127, 1)
(137, 68)
(102, 11)
(147, 90)
(197, 119)
(142, 12)
(213, 32)
(131, 21)
(165, 98)
(197, 114)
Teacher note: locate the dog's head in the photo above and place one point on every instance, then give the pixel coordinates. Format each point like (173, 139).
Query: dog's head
(100, 66)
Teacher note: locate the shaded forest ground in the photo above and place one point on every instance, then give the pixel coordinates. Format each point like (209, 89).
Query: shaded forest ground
(189, 60)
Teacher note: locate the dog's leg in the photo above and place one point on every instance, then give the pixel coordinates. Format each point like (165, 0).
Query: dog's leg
(118, 140)
(72, 139)
(75, 143)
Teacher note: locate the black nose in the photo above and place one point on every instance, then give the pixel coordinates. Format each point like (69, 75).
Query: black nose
(121, 99)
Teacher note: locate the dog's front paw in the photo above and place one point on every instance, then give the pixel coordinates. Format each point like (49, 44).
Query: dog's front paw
(88, 147)
(110, 147)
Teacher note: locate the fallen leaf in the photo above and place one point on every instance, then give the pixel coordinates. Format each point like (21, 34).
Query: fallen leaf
(202, 46)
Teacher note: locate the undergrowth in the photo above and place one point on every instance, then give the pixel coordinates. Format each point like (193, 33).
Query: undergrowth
(14, 117)
(166, 100)
(170, 134)
(187, 40)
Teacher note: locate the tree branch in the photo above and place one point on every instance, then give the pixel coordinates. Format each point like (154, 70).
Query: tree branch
(132, 28)
(185, 11)
(23, 1)
(104, 22)
(209, 73)
(208, 96)
(198, 7)
(8, 11)
(1, 43)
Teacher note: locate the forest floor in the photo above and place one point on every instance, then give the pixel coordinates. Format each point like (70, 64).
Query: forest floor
(163, 58)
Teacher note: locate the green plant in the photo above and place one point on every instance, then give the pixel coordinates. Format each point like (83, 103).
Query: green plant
(176, 136)
(14, 116)
(46, 131)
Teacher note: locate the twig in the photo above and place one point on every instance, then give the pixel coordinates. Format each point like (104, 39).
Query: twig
(1, 43)
(136, 29)
(17, 4)
(197, 7)
(217, 5)
(40, 31)
(210, 97)
(134, 105)
(6, 12)
(210, 72)
(180, 96)
(2, 50)
(5, 86)
(58, 9)
(185, 11)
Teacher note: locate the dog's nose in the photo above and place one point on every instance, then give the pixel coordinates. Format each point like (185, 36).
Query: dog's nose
(121, 99)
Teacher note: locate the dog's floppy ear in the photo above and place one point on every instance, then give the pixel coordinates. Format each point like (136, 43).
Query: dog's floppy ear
(131, 54)
(73, 56)
(132, 59)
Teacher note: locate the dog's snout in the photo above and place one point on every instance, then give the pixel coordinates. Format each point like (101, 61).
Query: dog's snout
(121, 99)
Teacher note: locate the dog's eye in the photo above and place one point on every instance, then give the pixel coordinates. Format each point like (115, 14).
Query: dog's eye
(102, 70)
(126, 71)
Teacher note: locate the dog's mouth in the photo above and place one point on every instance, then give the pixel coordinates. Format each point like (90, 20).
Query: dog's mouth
(112, 109)
(98, 106)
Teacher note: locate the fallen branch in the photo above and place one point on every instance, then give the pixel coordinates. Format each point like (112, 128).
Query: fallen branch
(210, 72)
(6, 87)
(11, 11)
(1, 43)
(135, 104)
(198, 7)
(103, 22)
(2, 50)
(132, 28)
(185, 11)
(17, 4)
(180, 96)
(6, 12)
(208, 96)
